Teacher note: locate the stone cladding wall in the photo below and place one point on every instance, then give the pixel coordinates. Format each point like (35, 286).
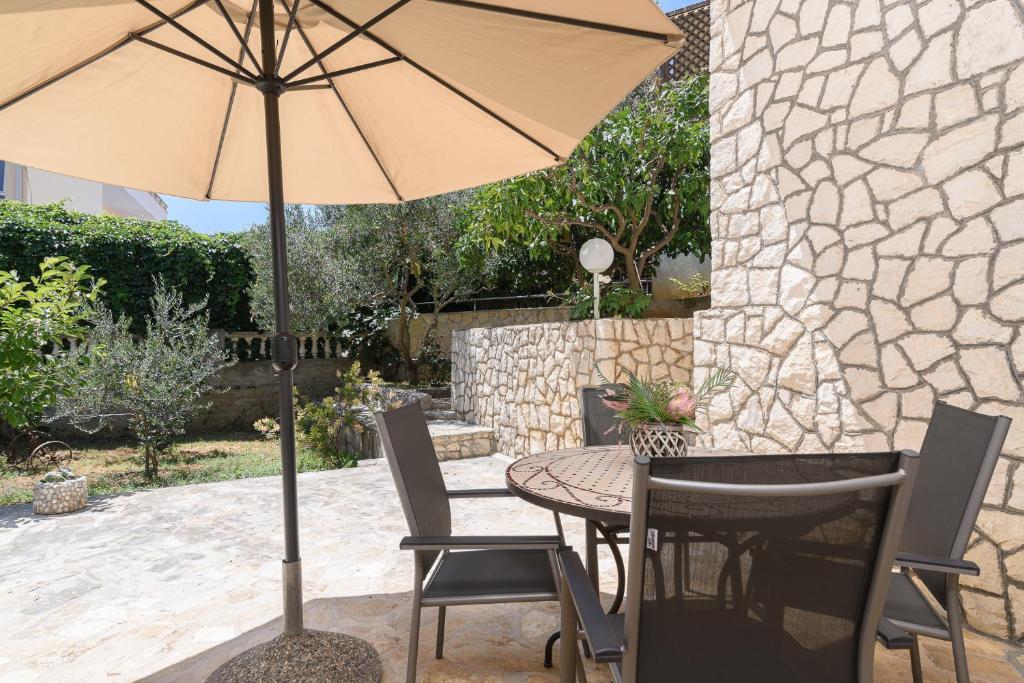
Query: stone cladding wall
(523, 381)
(868, 238)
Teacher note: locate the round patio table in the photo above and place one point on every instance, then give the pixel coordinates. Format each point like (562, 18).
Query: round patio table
(592, 482)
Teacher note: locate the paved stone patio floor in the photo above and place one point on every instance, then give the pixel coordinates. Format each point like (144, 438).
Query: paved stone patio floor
(166, 585)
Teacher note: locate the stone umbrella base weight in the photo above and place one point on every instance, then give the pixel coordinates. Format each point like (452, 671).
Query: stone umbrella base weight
(307, 657)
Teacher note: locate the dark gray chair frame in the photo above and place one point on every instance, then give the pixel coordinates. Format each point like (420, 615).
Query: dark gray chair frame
(580, 602)
(893, 633)
(430, 552)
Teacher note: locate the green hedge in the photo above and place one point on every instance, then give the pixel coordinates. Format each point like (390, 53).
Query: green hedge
(128, 253)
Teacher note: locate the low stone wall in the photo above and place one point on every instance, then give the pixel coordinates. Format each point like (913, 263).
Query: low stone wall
(461, 320)
(523, 381)
(252, 392)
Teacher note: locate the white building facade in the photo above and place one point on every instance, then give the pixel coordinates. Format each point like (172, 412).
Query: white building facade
(35, 186)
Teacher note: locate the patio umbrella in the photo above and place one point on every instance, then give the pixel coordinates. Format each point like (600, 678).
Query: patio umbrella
(377, 100)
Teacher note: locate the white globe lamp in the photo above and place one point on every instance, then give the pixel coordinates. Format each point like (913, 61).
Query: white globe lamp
(596, 255)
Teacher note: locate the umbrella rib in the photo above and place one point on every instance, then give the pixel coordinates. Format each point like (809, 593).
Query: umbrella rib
(246, 50)
(343, 72)
(130, 38)
(357, 30)
(569, 21)
(287, 32)
(430, 74)
(341, 101)
(196, 60)
(231, 104)
(172, 22)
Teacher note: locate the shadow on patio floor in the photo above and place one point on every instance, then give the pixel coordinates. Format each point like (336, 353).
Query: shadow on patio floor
(483, 643)
(505, 643)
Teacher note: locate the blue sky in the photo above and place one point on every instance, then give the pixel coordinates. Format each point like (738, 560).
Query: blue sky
(212, 217)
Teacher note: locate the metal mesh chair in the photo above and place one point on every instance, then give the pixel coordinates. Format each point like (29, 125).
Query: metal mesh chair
(958, 457)
(455, 570)
(787, 580)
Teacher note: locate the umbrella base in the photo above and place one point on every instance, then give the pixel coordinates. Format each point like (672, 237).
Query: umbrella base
(309, 656)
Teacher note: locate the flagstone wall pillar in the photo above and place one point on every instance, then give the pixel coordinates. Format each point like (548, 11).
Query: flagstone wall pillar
(868, 238)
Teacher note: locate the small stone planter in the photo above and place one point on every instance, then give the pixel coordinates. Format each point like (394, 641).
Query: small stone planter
(54, 498)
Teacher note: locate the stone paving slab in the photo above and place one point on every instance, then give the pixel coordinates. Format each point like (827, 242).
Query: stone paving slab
(166, 585)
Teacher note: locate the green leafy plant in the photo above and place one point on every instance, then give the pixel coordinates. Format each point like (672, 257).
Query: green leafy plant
(269, 427)
(693, 286)
(618, 302)
(640, 179)
(128, 253)
(154, 383)
(36, 316)
(319, 423)
(645, 400)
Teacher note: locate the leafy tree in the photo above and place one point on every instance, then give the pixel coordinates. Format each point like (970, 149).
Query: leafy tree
(314, 272)
(640, 180)
(394, 253)
(35, 317)
(156, 382)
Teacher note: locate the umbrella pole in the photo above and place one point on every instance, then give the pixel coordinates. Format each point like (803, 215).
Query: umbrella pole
(283, 344)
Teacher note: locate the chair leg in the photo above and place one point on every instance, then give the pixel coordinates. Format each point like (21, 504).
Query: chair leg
(439, 650)
(915, 662)
(567, 652)
(956, 631)
(414, 626)
(414, 643)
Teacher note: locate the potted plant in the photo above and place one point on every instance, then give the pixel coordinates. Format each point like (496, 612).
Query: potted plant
(661, 413)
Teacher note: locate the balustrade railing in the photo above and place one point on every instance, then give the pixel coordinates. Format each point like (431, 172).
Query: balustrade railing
(255, 346)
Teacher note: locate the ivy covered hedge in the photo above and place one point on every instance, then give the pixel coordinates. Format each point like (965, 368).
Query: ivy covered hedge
(128, 253)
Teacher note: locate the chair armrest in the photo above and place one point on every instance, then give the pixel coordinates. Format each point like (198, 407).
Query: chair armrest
(480, 543)
(478, 493)
(893, 637)
(604, 644)
(931, 563)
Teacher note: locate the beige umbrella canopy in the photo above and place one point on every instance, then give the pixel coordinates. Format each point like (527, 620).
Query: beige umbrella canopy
(431, 96)
(313, 101)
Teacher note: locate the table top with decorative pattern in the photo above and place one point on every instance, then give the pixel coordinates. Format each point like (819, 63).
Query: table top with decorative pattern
(595, 482)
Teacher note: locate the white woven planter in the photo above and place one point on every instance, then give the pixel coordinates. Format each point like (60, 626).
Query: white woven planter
(655, 440)
(59, 497)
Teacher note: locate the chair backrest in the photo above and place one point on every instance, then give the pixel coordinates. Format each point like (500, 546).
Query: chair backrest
(958, 456)
(601, 427)
(410, 453)
(761, 568)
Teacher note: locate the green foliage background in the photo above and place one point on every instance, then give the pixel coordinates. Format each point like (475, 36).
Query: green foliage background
(128, 253)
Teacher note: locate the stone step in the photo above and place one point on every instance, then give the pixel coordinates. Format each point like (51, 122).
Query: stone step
(441, 404)
(440, 414)
(454, 439)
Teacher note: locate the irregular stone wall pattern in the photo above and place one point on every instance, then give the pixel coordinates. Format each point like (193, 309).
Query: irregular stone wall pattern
(868, 238)
(523, 381)
(462, 320)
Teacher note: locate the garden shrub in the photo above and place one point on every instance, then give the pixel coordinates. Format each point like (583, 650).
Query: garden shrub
(155, 382)
(618, 302)
(36, 315)
(128, 253)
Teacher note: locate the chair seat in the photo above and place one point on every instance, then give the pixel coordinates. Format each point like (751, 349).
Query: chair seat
(905, 603)
(481, 573)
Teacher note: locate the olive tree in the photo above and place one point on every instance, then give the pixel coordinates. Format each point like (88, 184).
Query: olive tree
(314, 273)
(156, 383)
(640, 180)
(397, 254)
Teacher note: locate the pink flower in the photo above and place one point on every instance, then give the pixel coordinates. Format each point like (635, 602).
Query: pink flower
(682, 404)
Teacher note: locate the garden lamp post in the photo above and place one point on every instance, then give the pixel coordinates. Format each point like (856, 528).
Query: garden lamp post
(378, 102)
(596, 256)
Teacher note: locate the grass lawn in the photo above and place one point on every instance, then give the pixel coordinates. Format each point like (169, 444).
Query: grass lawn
(117, 467)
